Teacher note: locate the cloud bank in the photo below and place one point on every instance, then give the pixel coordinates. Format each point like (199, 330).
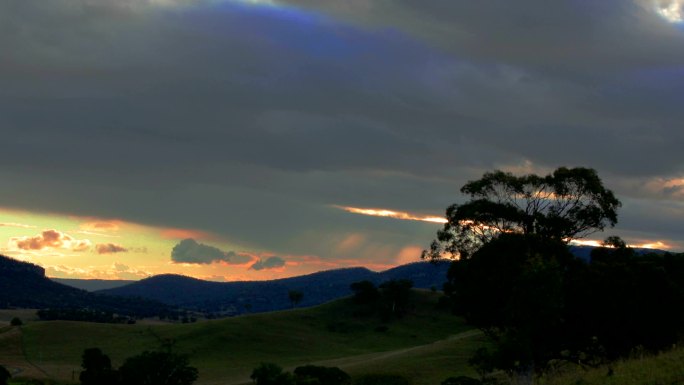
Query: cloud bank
(268, 263)
(191, 251)
(50, 239)
(255, 122)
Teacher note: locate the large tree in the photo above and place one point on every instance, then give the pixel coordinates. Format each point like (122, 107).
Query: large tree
(567, 204)
(512, 261)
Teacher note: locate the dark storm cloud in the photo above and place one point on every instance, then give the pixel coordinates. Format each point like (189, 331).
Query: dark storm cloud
(268, 263)
(191, 251)
(251, 122)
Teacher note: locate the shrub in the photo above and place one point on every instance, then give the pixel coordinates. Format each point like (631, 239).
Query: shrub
(381, 379)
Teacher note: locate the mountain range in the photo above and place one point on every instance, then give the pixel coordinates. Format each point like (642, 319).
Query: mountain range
(24, 285)
(231, 298)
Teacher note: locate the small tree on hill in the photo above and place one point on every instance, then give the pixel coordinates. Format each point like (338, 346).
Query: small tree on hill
(16, 321)
(295, 296)
(395, 295)
(365, 292)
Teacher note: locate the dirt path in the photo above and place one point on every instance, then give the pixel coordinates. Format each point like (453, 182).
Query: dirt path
(364, 359)
(12, 355)
(345, 363)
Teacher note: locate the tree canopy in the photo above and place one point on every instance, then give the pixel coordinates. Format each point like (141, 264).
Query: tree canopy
(569, 203)
(147, 368)
(97, 368)
(157, 368)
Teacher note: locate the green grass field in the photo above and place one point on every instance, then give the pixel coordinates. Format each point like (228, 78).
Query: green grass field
(426, 345)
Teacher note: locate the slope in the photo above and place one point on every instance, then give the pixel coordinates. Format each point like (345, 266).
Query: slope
(226, 350)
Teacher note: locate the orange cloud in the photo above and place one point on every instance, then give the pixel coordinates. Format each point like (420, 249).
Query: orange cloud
(50, 239)
(376, 212)
(109, 248)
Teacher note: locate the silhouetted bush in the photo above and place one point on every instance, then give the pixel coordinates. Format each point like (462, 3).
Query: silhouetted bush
(268, 373)
(321, 375)
(381, 379)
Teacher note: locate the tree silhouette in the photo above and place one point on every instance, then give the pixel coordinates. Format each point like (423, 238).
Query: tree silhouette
(513, 266)
(395, 295)
(97, 368)
(158, 368)
(365, 292)
(565, 205)
(271, 374)
(295, 296)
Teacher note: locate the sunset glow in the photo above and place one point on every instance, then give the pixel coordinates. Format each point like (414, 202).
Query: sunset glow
(393, 214)
(644, 245)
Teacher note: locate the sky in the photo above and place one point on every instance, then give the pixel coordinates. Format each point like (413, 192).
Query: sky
(259, 139)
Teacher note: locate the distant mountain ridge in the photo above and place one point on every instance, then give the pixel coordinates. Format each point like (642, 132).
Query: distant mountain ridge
(92, 284)
(231, 298)
(24, 285)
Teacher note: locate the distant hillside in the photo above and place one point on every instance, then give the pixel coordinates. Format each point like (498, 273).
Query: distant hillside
(229, 298)
(92, 284)
(24, 285)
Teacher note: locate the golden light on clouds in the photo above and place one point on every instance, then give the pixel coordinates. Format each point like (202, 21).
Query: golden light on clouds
(50, 239)
(670, 10)
(376, 212)
(642, 245)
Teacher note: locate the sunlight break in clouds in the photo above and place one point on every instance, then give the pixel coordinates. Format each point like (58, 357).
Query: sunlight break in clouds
(392, 214)
(646, 245)
(671, 10)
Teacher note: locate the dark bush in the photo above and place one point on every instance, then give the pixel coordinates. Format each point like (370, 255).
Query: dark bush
(321, 375)
(381, 379)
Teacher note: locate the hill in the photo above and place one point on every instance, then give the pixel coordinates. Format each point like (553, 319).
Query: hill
(231, 298)
(24, 285)
(427, 345)
(92, 284)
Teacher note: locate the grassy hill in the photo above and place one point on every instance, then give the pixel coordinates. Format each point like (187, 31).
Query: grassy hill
(427, 345)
